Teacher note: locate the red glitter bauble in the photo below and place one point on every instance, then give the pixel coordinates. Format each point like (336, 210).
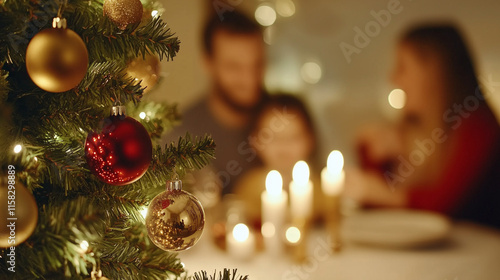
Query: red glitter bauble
(120, 154)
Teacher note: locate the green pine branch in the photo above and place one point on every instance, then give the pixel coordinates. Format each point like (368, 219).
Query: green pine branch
(55, 244)
(4, 85)
(21, 19)
(188, 154)
(106, 41)
(177, 158)
(121, 244)
(160, 117)
(225, 275)
(14, 30)
(127, 253)
(74, 206)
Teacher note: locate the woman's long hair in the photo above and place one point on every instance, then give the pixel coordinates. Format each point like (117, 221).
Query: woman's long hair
(445, 43)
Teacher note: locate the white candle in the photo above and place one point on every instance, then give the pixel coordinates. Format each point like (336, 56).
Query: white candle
(240, 242)
(301, 192)
(332, 184)
(333, 176)
(274, 204)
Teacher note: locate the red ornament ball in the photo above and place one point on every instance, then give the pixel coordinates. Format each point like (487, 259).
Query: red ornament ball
(120, 154)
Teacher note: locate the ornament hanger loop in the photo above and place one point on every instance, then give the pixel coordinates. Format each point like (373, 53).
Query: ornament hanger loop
(175, 176)
(59, 22)
(175, 184)
(62, 6)
(117, 101)
(96, 274)
(118, 110)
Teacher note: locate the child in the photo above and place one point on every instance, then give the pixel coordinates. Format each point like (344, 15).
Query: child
(282, 134)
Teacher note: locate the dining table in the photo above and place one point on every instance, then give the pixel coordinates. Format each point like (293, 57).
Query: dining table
(471, 252)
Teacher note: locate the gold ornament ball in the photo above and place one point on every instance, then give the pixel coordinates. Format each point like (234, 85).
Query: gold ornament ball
(175, 220)
(145, 70)
(123, 12)
(25, 210)
(57, 59)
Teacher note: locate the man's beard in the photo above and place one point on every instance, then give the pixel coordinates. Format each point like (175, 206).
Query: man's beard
(225, 96)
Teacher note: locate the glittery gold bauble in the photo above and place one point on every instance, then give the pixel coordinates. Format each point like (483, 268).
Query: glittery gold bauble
(175, 219)
(145, 70)
(123, 12)
(57, 59)
(18, 211)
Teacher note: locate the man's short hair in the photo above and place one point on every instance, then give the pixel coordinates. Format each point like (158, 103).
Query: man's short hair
(233, 22)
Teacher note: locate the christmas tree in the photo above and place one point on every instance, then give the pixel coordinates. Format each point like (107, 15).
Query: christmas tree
(78, 215)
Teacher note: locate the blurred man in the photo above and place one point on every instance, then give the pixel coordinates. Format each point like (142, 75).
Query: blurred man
(234, 58)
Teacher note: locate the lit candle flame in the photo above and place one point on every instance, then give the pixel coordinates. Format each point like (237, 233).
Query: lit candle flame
(274, 183)
(335, 162)
(300, 173)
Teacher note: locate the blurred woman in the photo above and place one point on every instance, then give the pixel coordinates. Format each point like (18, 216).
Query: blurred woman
(444, 154)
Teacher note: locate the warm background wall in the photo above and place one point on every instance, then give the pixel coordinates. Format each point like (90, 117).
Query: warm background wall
(348, 94)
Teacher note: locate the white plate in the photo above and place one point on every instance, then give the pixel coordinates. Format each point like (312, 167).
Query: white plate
(396, 228)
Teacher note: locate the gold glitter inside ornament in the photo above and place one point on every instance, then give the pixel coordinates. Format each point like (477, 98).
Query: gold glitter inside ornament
(97, 275)
(146, 70)
(19, 220)
(123, 12)
(57, 58)
(175, 219)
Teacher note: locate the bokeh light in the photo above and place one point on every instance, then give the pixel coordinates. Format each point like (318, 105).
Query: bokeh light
(293, 235)
(311, 72)
(265, 15)
(285, 8)
(84, 245)
(397, 98)
(241, 232)
(268, 230)
(18, 148)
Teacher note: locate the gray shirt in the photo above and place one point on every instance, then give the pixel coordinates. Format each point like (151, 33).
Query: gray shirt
(234, 156)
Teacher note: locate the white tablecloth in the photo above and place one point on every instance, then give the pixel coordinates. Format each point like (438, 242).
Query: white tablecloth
(472, 253)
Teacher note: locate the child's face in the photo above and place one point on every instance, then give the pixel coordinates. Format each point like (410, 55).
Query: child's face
(282, 139)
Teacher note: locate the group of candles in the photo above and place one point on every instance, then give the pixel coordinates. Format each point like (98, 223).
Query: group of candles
(275, 206)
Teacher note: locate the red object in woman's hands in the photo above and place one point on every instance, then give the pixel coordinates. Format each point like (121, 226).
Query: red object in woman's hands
(378, 147)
